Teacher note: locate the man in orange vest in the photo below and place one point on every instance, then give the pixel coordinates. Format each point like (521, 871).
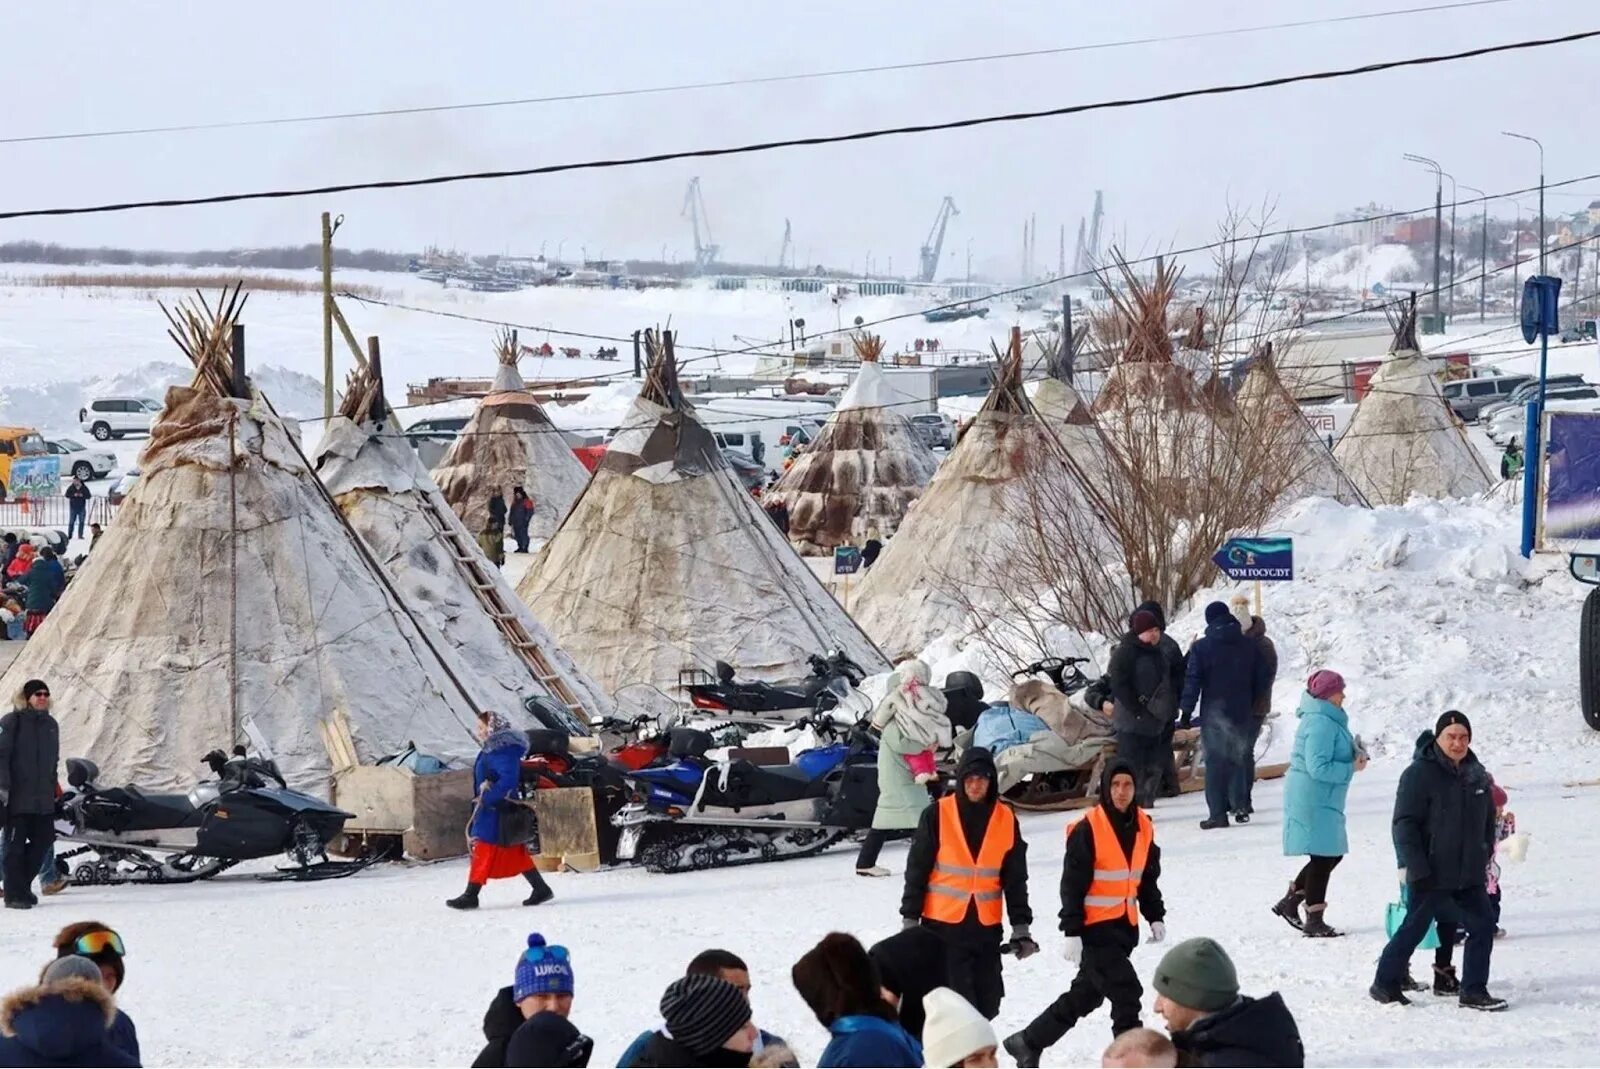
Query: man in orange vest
(967, 868)
(1110, 875)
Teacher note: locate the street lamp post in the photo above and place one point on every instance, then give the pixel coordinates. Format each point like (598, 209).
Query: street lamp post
(1540, 144)
(1483, 248)
(1451, 315)
(1438, 224)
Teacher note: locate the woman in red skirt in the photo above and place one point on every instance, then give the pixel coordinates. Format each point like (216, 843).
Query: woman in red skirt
(496, 778)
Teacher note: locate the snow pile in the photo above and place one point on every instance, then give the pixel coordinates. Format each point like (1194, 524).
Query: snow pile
(1422, 608)
(1357, 268)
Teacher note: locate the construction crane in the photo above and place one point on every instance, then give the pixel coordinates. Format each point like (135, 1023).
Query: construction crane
(1087, 257)
(788, 245)
(694, 206)
(934, 246)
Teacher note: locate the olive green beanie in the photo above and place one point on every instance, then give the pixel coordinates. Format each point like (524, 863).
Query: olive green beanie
(1198, 973)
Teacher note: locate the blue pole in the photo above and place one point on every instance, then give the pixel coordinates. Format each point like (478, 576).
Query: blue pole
(1533, 451)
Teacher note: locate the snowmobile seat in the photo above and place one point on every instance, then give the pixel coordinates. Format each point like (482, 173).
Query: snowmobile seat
(545, 741)
(688, 742)
(138, 811)
(751, 784)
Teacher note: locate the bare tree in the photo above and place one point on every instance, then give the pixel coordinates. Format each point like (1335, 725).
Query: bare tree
(1175, 462)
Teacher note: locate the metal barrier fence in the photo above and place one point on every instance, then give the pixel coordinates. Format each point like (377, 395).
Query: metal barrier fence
(52, 512)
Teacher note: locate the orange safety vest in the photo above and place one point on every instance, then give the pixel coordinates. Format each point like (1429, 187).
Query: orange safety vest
(1114, 891)
(957, 879)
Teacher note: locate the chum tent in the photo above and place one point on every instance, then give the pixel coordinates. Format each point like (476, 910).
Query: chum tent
(230, 602)
(1403, 439)
(667, 564)
(510, 442)
(865, 466)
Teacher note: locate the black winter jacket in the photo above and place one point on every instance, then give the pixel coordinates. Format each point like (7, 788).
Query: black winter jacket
(30, 748)
(1145, 683)
(1226, 669)
(1077, 872)
(1251, 1032)
(1443, 820)
(500, 1022)
(974, 822)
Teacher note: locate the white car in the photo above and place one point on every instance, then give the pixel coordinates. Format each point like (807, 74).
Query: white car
(120, 488)
(112, 417)
(1509, 424)
(79, 460)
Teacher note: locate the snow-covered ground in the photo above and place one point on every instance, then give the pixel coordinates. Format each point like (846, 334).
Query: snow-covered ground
(1422, 608)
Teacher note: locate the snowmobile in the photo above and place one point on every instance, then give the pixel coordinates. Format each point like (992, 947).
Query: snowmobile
(694, 813)
(130, 836)
(1062, 671)
(751, 696)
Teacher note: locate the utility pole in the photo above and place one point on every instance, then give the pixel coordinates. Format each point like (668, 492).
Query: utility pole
(1483, 249)
(1438, 227)
(327, 316)
(1533, 433)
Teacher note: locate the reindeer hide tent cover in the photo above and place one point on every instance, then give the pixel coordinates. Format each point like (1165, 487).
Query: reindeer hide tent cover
(926, 578)
(1263, 396)
(373, 473)
(865, 467)
(510, 442)
(667, 563)
(228, 534)
(1403, 439)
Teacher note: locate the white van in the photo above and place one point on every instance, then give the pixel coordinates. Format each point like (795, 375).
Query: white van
(112, 417)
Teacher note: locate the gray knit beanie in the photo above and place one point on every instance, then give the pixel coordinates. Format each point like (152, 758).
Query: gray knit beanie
(1198, 973)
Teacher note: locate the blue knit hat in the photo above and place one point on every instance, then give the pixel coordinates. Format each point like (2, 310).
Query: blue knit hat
(542, 970)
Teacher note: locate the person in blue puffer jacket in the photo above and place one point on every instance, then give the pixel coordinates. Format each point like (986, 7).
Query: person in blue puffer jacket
(840, 983)
(497, 782)
(1326, 757)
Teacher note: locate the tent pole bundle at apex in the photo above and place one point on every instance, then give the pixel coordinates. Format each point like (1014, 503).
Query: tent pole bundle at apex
(666, 564)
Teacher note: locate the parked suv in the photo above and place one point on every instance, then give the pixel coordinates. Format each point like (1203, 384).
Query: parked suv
(112, 417)
(1467, 397)
(1529, 391)
(77, 459)
(938, 431)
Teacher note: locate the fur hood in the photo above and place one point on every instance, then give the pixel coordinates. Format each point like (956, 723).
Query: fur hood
(70, 993)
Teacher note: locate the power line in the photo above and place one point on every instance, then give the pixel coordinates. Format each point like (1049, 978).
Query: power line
(560, 98)
(806, 142)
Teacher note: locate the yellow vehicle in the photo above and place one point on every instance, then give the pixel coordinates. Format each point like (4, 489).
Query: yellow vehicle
(17, 443)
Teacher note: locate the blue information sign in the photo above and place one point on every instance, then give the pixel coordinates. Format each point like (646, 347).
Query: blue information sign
(1264, 559)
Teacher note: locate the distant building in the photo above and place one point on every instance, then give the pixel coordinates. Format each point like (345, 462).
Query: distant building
(1358, 227)
(1594, 213)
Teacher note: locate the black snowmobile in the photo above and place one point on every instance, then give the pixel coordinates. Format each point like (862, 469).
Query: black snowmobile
(728, 694)
(247, 812)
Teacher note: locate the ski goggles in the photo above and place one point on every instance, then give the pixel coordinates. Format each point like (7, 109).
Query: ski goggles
(104, 941)
(554, 952)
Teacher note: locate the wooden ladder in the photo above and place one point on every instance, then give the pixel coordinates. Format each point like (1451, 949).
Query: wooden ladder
(474, 567)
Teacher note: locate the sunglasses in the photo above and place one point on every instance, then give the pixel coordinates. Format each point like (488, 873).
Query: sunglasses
(91, 943)
(40, 694)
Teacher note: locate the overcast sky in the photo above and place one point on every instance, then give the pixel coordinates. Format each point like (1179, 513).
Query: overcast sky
(1168, 170)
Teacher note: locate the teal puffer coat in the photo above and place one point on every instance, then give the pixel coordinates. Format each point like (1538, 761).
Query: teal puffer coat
(1320, 770)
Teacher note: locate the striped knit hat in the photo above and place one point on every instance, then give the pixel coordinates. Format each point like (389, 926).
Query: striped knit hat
(704, 1012)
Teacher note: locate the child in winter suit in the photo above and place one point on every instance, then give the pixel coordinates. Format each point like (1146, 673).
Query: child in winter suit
(1110, 876)
(919, 710)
